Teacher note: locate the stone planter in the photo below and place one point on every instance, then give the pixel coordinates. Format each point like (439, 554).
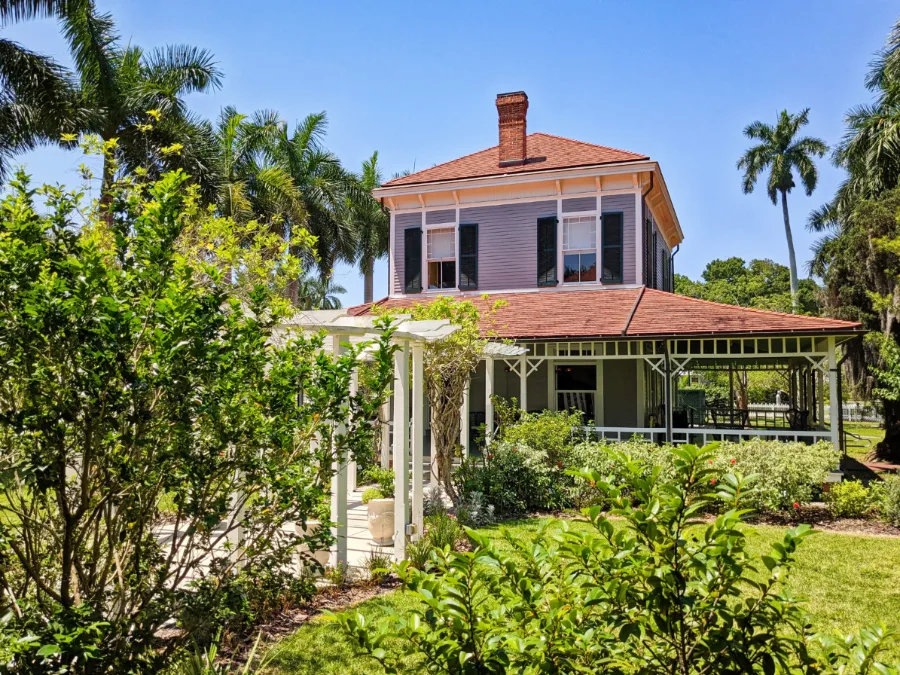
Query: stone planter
(321, 556)
(381, 521)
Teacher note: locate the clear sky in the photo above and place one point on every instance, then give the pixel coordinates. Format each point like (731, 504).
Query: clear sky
(416, 81)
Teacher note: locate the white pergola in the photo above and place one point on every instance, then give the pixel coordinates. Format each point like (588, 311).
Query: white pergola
(410, 336)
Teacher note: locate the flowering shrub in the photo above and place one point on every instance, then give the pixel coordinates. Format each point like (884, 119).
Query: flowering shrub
(890, 500)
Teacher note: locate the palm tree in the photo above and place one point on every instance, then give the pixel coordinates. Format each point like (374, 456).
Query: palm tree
(317, 293)
(115, 87)
(38, 101)
(325, 187)
(782, 153)
(371, 225)
(248, 188)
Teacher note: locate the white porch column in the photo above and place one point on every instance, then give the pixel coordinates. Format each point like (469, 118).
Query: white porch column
(401, 449)
(339, 486)
(488, 392)
(386, 435)
(464, 419)
(418, 435)
(523, 383)
(834, 403)
(820, 398)
(641, 395)
(351, 473)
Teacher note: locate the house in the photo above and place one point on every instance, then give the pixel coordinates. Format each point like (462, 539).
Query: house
(579, 240)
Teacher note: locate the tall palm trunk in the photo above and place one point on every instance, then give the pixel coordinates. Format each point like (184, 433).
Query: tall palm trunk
(792, 258)
(368, 266)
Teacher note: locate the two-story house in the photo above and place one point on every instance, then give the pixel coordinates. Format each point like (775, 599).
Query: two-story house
(578, 240)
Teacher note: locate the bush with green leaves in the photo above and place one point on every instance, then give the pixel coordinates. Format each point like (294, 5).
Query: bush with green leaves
(550, 432)
(135, 378)
(889, 502)
(789, 472)
(443, 531)
(658, 590)
(372, 493)
(474, 510)
(382, 478)
(514, 479)
(849, 499)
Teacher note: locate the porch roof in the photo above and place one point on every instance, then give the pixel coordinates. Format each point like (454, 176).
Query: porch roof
(606, 313)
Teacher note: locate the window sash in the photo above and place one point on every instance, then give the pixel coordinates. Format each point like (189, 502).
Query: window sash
(612, 258)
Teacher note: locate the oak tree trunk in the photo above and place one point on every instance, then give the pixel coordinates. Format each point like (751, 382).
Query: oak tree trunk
(889, 449)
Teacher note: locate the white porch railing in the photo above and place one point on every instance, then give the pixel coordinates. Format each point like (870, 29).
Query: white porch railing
(701, 436)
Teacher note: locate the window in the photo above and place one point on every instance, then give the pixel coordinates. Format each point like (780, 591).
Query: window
(468, 256)
(612, 248)
(579, 249)
(441, 254)
(546, 251)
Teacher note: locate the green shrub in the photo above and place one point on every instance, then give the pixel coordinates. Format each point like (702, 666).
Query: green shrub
(382, 478)
(654, 595)
(515, 479)
(890, 500)
(787, 473)
(378, 565)
(850, 499)
(548, 431)
(372, 493)
(418, 553)
(433, 502)
(442, 531)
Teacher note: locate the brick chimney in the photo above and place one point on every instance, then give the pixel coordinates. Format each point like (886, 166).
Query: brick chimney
(512, 109)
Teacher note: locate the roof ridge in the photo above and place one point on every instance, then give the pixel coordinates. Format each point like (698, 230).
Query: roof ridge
(593, 145)
(757, 310)
(634, 307)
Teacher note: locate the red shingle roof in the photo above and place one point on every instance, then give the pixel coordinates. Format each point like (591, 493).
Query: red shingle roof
(544, 152)
(632, 312)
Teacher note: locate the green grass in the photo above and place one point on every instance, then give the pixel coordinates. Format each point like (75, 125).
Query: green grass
(848, 581)
(872, 434)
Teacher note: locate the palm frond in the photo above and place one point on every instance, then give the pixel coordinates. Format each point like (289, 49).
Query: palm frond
(183, 69)
(12, 11)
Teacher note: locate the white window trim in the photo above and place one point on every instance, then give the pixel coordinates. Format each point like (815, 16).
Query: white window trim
(439, 226)
(561, 243)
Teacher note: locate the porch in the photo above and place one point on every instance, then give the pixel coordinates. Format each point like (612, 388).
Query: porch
(629, 387)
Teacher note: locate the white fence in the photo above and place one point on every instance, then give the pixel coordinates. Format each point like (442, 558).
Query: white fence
(701, 436)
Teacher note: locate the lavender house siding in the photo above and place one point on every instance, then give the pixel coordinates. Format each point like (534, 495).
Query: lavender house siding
(440, 217)
(579, 204)
(507, 243)
(625, 205)
(401, 222)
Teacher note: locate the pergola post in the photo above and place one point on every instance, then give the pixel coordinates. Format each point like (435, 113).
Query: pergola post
(418, 436)
(835, 400)
(464, 419)
(488, 393)
(668, 385)
(401, 449)
(339, 485)
(386, 435)
(351, 473)
(523, 383)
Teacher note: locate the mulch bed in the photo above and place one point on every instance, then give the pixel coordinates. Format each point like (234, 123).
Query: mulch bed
(289, 621)
(818, 515)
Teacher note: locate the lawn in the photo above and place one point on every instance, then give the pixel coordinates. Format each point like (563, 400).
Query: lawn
(871, 433)
(848, 581)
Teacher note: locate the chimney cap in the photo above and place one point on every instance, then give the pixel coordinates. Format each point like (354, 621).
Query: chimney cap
(512, 94)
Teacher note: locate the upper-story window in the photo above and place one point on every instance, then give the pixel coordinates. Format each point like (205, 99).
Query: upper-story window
(441, 255)
(579, 249)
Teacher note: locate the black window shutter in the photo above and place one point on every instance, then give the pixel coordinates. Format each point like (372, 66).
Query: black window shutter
(412, 260)
(612, 248)
(468, 256)
(546, 251)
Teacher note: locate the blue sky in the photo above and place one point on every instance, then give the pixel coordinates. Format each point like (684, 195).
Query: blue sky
(416, 81)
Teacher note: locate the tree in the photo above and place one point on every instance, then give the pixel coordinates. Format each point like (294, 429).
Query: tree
(152, 440)
(782, 154)
(38, 99)
(325, 186)
(448, 365)
(763, 284)
(248, 189)
(371, 225)
(317, 293)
